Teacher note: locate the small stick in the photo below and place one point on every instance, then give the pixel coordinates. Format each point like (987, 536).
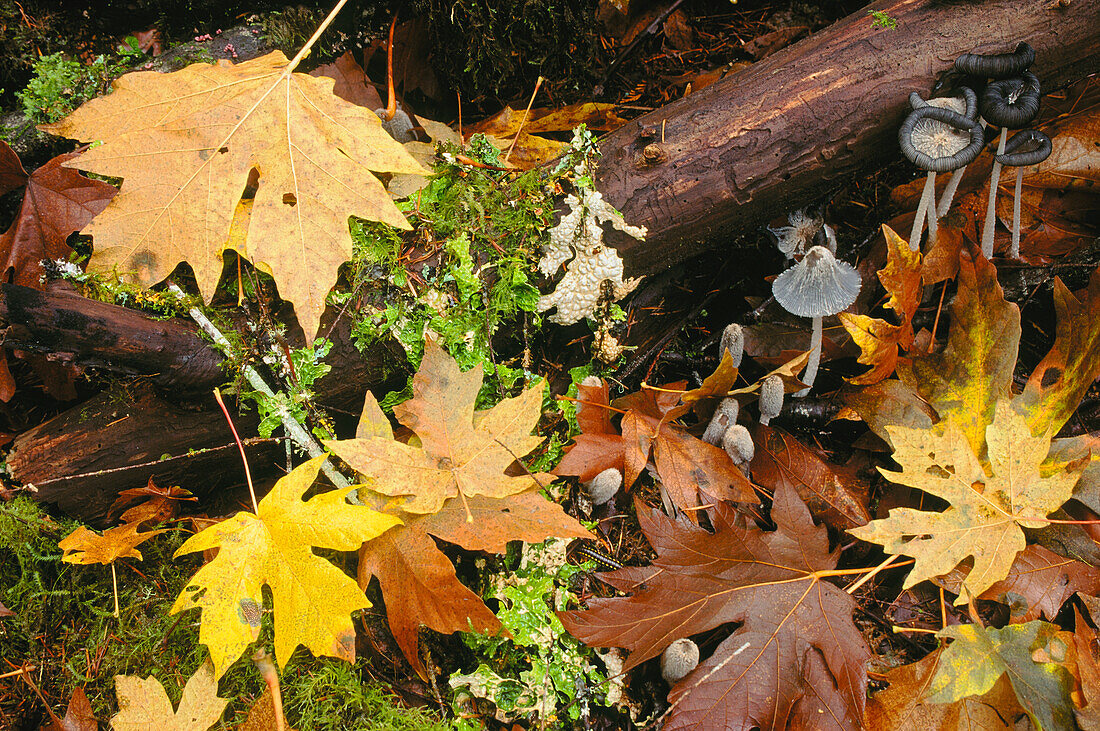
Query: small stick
(867, 577)
(524, 120)
(459, 95)
(237, 439)
(114, 585)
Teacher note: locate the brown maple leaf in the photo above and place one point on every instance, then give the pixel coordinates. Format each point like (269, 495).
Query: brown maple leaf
(57, 202)
(149, 503)
(79, 716)
(461, 453)
(187, 143)
(795, 657)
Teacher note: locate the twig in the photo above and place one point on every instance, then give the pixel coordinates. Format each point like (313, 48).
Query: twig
(523, 121)
(294, 428)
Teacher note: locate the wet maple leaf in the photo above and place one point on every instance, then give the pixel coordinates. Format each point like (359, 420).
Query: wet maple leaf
(796, 656)
(986, 514)
(186, 143)
(313, 600)
(903, 706)
(144, 705)
(84, 546)
(461, 453)
(979, 656)
(57, 202)
(879, 340)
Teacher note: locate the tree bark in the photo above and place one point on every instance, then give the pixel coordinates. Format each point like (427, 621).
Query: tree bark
(706, 169)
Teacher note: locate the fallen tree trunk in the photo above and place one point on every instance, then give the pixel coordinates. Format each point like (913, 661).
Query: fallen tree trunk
(706, 169)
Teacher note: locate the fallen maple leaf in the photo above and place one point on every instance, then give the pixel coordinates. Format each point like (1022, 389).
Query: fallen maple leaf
(904, 707)
(964, 381)
(978, 656)
(143, 705)
(313, 600)
(84, 546)
(879, 340)
(795, 645)
(1088, 670)
(986, 514)
(1038, 583)
(153, 504)
(78, 716)
(461, 453)
(185, 144)
(526, 128)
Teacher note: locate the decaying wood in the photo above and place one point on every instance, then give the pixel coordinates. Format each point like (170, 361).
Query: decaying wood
(706, 169)
(80, 460)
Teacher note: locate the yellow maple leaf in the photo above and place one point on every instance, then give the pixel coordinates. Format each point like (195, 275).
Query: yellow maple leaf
(461, 453)
(186, 143)
(143, 704)
(313, 600)
(986, 512)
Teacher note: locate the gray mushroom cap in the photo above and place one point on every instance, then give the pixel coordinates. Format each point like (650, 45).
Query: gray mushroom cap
(818, 286)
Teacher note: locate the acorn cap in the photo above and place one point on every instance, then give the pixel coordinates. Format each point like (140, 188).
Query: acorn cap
(1012, 103)
(940, 140)
(996, 65)
(818, 286)
(1029, 147)
(679, 659)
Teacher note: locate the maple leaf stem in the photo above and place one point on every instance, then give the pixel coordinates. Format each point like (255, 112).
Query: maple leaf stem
(114, 585)
(871, 574)
(244, 458)
(313, 39)
(524, 120)
(591, 403)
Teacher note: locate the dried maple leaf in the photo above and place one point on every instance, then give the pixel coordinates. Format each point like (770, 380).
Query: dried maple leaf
(185, 144)
(84, 546)
(413, 573)
(903, 706)
(979, 656)
(313, 600)
(796, 656)
(461, 453)
(1088, 670)
(986, 513)
(1038, 583)
(878, 339)
(154, 504)
(143, 704)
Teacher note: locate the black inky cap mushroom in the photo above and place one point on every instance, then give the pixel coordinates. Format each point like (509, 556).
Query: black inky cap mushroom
(1009, 104)
(937, 140)
(818, 286)
(966, 105)
(1029, 147)
(996, 65)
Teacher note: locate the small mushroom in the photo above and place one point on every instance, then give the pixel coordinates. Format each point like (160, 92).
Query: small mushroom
(601, 488)
(801, 232)
(679, 659)
(1009, 104)
(724, 417)
(1029, 147)
(738, 445)
(937, 140)
(818, 286)
(966, 105)
(997, 65)
(733, 342)
(771, 398)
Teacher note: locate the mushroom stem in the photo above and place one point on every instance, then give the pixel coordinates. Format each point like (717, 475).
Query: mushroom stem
(991, 209)
(810, 374)
(949, 192)
(927, 199)
(1014, 249)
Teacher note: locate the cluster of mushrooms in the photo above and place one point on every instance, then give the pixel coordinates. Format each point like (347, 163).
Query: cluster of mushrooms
(945, 134)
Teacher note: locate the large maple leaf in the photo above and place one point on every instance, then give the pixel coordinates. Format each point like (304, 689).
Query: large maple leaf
(987, 512)
(143, 704)
(460, 453)
(418, 581)
(313, 600)
(796, 656)
(186, 144)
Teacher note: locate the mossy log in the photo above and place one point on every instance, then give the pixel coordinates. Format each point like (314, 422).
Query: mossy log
(703, 170)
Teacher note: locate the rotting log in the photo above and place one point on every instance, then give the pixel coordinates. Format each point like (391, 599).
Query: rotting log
(703, 170)
(81, 459)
